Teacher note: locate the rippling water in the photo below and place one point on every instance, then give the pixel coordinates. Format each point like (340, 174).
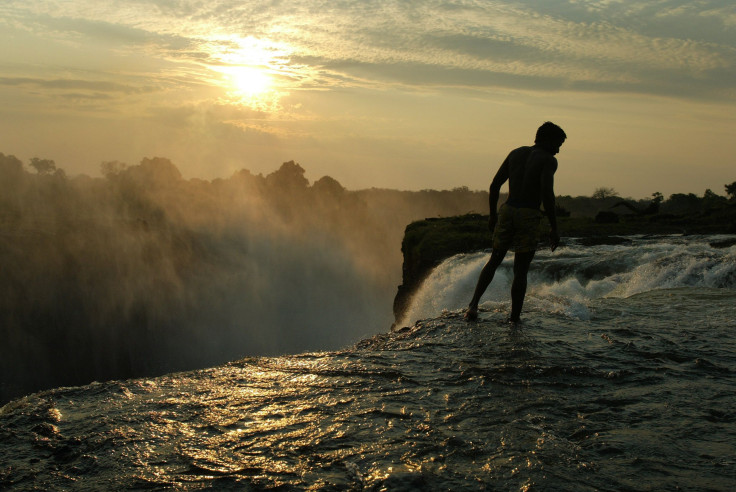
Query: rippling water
(632, 389)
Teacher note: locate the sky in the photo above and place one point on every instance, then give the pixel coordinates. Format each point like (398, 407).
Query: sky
(400, 94)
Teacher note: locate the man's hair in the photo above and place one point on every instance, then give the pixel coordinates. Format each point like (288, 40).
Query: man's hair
(549, 132)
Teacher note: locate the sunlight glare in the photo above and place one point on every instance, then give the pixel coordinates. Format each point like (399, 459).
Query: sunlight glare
(250, 81)
(251, 72)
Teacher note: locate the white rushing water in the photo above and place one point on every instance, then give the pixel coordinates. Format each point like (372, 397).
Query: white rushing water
(567, 280)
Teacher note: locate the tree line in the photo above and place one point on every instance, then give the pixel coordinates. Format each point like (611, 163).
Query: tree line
(607, 199)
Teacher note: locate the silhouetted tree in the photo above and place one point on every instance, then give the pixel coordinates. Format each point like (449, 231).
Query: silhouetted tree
(11, 177)
(159, 170)
(603, 192)
(112, 168)
(654, 205)
(328, 186)
(43, 166)
(11, 168)
(289, 177)
(156, 172)
(679, 203)
(10, 163)
(711, 200)
(651, 209)
(731, 190)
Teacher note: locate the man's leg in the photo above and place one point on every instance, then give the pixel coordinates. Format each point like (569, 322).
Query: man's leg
(484, 280)
(518, 286)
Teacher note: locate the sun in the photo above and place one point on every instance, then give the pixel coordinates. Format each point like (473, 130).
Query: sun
(252, 86)
(249, 81)
(251, 72)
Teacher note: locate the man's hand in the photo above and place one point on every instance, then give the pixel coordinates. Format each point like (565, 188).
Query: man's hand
(554, 239)
(492, 222)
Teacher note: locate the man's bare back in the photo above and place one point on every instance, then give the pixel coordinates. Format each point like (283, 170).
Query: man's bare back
(525, 168)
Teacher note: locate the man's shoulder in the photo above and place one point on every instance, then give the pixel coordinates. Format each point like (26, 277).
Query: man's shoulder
(520, 152)
(523, 148)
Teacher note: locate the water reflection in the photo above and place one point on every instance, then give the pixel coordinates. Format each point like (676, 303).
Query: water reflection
(443, 405)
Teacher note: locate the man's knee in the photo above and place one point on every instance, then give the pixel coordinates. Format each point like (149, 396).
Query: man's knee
(497, 257)
(522, 261)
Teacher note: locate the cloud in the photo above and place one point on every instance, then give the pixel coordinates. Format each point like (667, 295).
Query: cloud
(604, 46)
(672, 47)
(74, 84)
(203, 115)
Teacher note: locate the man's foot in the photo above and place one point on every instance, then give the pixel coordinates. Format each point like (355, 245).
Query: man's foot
(471, 314)
(513, 321)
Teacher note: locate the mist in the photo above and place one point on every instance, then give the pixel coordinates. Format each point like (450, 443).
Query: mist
(141, 272)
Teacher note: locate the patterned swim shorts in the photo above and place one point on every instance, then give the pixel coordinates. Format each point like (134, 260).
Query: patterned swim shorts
(517, 229)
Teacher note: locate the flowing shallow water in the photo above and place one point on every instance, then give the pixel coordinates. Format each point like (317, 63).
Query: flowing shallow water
(622, 377)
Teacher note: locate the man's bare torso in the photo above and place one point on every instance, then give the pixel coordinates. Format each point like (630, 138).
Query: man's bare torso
(525, 169)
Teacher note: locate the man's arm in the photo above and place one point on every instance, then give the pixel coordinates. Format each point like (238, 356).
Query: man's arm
(494, 192)
(548, 199)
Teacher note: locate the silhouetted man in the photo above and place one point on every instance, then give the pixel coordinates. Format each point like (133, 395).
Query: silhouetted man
(530, 172)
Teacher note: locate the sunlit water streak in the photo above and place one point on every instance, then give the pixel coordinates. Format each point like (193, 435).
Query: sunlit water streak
(637, 394)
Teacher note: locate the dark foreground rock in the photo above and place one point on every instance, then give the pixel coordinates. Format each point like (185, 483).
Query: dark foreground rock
(427, 242)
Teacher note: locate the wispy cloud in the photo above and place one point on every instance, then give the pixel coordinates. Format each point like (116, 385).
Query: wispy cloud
(604, 46)
(658, 46)
(72, 84)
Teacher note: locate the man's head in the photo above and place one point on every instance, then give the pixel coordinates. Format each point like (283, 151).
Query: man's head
(550, 137)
